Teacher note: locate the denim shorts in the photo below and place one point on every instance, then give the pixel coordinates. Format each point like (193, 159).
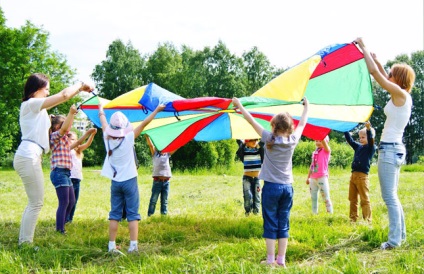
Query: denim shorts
(277, 201)
(60, 177)
(124, 196)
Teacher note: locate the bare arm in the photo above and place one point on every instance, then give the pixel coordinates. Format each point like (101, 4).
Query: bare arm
(149, 143)
(309, 174)
(249, 118)
(67, 124)
(65, 95)
(303, 119)
(398, 95)
(326, 146)
(379, 65)
(142, 125)
(79, 145)
(102, 117)
(370, 139)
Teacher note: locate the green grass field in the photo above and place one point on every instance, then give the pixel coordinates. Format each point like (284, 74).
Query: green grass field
(206, 230)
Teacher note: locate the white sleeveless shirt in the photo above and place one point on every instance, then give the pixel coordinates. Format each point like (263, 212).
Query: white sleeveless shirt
(76, 170)
(396, 120)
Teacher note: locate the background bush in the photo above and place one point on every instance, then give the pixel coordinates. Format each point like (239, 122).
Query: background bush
(341, 154)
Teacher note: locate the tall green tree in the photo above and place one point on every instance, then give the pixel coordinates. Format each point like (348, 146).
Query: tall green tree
(24, 51)
(226, 75)
(258, 69)
(414, 131)
(122, 71)
(164, 67)
(194, 75)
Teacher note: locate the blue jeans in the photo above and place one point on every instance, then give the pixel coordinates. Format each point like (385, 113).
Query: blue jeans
(390, 159)
(76, 184)
(162, 189)
(251, 195)
(124, 194)
(277, 201)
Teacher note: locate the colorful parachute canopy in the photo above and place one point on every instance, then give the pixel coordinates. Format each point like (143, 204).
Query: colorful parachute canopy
(128, 104)
(335, 80)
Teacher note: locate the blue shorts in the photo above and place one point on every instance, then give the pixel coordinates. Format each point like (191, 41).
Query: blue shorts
(277, 201)
(124, 195)
(60, 177)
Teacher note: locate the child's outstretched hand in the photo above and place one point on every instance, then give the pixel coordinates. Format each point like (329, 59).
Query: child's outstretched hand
(160, 107)
(368, 125)
(73, 110)
(305, 102)
(92, 130)
(359, 42)
(236, 102)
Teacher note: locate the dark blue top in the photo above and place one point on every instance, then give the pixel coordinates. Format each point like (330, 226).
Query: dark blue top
(363, 153)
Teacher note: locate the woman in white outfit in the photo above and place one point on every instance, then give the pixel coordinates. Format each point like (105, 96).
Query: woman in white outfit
(35, 123)
(391, 151)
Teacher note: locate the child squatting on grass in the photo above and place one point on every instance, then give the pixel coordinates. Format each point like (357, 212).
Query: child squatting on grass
(119, 137)
(318, 175)
(359, 181)
(277, 174)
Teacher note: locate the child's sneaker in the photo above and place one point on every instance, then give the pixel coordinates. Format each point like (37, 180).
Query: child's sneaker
(265, 262)
(133, 249)
(116, 251)
(386, 246)
(281, 265)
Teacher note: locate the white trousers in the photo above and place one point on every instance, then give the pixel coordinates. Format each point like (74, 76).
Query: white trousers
(31, 173)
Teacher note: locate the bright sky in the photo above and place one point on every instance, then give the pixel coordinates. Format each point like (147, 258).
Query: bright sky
(287, 32)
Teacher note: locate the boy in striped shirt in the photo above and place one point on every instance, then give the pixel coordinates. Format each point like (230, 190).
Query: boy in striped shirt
(251, 154)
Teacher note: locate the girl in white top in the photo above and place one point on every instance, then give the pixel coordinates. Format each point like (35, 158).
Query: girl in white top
(391, 152)
(119, 166)
(77, 156)
(35, 123)
(161, 179)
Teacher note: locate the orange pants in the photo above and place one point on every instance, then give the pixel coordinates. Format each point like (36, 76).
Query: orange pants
(359, 186)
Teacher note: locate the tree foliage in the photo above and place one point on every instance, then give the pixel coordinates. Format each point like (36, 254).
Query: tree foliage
(122, 70)
(24, 51)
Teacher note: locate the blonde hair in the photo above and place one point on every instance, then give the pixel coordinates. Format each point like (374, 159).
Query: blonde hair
(404, 76)
(364, 131)
(281, 123)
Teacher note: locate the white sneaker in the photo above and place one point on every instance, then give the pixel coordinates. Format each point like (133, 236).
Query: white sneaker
(386, 246)
(133, 249)
(116, 251)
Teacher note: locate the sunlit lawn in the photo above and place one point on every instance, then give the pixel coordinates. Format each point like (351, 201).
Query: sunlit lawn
(206, 230)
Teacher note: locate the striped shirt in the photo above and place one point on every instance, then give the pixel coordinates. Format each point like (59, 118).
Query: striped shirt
(252, 159)
(61, 151)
